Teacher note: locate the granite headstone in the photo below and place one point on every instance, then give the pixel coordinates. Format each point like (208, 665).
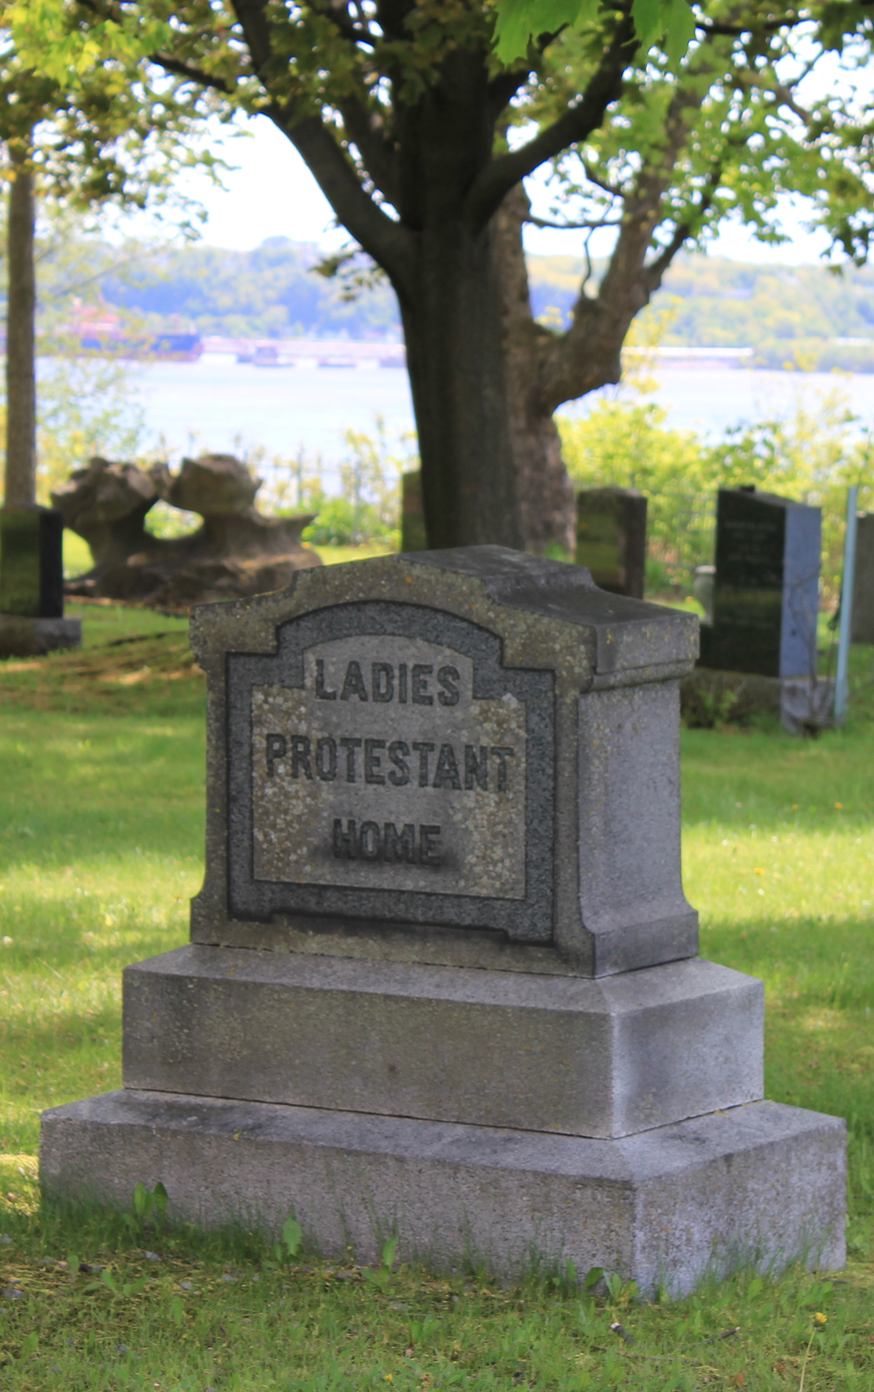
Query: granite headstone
(442, 977)
(862, 629)
(611, 538)
(766, 587)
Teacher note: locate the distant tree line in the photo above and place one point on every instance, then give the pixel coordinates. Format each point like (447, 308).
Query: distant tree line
(269, 292)
(789, 315)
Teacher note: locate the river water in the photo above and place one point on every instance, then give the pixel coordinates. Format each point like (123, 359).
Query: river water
(219, 404)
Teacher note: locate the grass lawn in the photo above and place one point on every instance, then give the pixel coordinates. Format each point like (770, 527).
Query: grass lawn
(101, 846)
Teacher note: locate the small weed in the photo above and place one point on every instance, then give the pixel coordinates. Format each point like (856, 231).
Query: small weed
(292, 1238)
(381, 1275)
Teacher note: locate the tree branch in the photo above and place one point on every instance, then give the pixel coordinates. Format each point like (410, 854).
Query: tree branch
(577, 123)
(593, 178)
(180, 69)
(256, 30)
(376, 151)
(389, 243)
(573, 226)
(343, 22)
(386, 241)
(736, 31)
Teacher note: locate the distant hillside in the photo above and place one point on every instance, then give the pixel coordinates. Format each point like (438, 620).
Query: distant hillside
(792, 316)
(270, 292)
(804, 317)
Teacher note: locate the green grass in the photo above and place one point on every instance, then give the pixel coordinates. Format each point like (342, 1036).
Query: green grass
(101, 845)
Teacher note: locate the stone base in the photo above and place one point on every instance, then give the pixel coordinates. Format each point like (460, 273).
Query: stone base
(758, 1185)
(598, 1058)
(22, 636)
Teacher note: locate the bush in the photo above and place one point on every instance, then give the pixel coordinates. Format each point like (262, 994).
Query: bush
(812, 455)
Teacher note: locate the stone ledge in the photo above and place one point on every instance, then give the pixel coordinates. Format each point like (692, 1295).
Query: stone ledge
(759, 1185)
(606, 1057)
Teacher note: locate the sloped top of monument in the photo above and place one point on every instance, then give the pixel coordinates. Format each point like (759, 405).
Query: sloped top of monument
(548, 613)
(758, 495)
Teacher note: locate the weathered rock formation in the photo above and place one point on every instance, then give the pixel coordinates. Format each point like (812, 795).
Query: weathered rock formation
(235, 553)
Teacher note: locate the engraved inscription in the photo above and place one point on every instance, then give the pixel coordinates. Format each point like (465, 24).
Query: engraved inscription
(385, 771)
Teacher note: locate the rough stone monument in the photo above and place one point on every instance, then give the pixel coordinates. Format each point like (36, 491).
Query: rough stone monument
(236, 552)
(611, 538)
(442, 977)
(32, 583)
(862, 630)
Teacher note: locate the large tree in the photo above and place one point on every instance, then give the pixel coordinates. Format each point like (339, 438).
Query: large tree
(410, 124)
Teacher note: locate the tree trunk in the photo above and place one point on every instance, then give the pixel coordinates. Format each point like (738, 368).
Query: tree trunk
(546, 494)
(20, 353)
(545, 369)
(452, 327)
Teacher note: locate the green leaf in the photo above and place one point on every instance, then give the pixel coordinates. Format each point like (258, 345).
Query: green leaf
(512, 30)
(109, 1280)
(143, 1201)
(680, 21)
(177, 1310)
(29, 1346)
(592, 1277)
(134, 1287)
(648, 16)
(519, 21)
(388, 1253)
(292, 1236)
(160, 1198)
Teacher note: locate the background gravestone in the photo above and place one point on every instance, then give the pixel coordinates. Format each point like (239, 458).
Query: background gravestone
(32, 583)
(863, 588)
(766, 588)
(443, 979)
(414, 536)
(611, 538)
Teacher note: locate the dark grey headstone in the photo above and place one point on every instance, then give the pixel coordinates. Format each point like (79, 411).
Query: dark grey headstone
(766, 590)
(32, 562)
(611, 538)
(863, 589)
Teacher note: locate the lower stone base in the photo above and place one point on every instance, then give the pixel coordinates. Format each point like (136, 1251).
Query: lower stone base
(21, 636)
(761, 1184)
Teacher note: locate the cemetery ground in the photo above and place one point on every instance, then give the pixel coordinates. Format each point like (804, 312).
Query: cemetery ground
(101, 843)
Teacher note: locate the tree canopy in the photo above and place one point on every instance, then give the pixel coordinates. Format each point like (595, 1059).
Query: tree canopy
(661, 120)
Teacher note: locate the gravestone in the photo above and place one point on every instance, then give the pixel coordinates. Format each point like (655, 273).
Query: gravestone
(766, 587)
(862, 629)
(442, 977)
(611, 538)
(32, 583)
(414, 536)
